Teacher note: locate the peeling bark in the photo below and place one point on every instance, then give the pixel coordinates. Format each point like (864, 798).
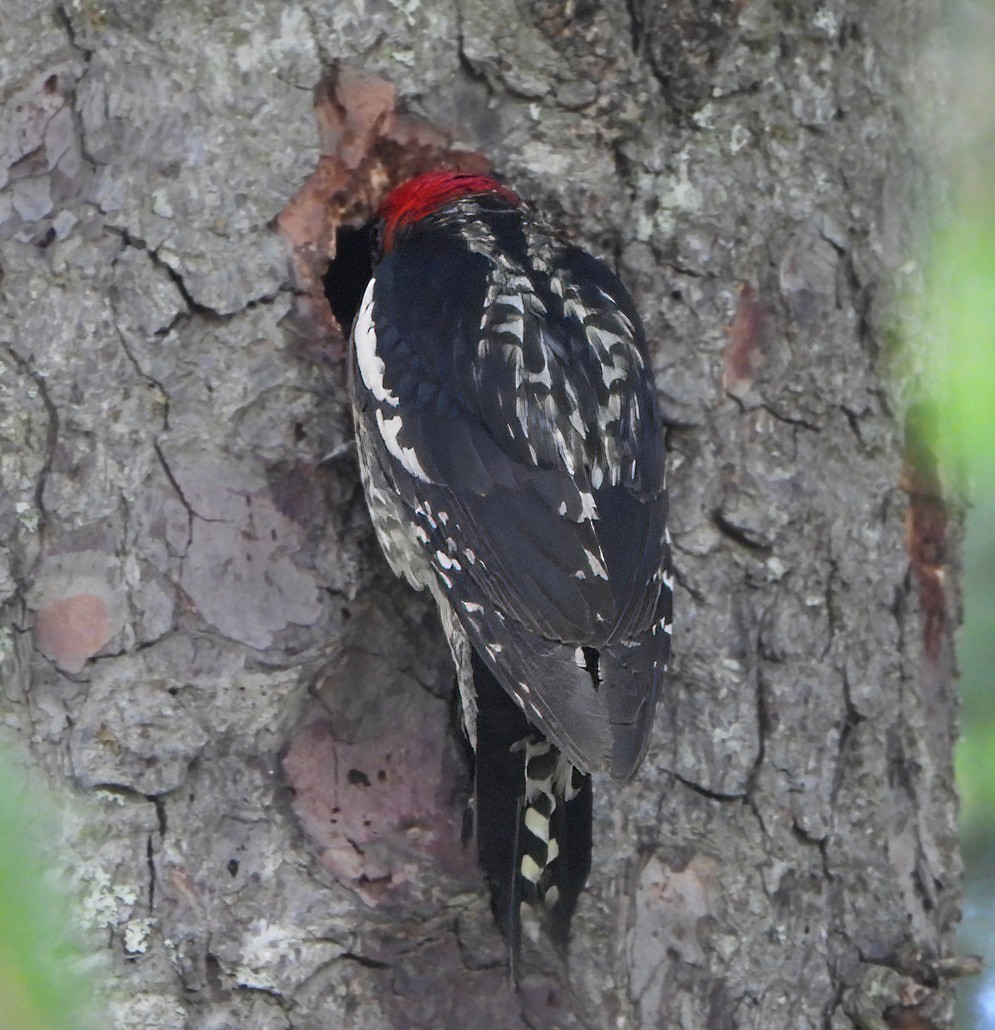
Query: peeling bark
(201, 649)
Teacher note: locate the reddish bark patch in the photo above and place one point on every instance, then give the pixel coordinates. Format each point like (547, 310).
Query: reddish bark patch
(744, 354)
(381, 813)
(926, 524)
(367, 147)
(72, 630)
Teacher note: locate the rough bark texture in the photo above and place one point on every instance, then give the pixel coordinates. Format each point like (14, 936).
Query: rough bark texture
(201, 648)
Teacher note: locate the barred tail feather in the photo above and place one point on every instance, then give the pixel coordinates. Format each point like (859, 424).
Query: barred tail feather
(533, 814)
(555, 834)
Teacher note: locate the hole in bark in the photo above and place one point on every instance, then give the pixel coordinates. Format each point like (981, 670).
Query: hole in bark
(233, 867)
(367, 146)
(349, 272)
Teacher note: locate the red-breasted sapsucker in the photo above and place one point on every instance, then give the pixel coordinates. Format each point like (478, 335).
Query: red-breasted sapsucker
(512, 454)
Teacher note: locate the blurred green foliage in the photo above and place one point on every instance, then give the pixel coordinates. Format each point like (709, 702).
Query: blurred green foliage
(42, 985)
(976, 656)
(964, 303)
(962, 307)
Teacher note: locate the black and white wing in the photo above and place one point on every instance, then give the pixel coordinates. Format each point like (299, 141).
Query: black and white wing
(514, 419)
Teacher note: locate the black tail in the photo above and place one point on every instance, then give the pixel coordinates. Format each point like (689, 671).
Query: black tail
(533, 817)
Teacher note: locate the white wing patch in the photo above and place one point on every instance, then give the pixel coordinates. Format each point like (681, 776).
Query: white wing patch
(389, 428)
(371, 366)
(597, 567)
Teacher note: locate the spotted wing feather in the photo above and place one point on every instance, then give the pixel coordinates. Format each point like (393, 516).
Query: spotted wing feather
(534, 495)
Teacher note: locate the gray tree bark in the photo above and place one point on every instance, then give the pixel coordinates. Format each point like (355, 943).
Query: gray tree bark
(202, 652)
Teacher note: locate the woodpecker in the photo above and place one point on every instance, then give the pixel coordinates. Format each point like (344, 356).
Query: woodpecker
(512, 455)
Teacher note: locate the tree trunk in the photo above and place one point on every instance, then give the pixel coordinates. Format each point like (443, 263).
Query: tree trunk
(250, 722)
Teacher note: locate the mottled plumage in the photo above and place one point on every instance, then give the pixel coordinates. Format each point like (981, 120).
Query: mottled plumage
(513, 458)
